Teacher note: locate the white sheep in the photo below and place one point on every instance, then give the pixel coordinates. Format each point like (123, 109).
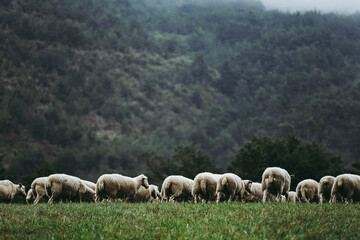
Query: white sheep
(66, 186)
(8, 190)
(230, 188)
(292, 197)
(275, 181)
(205, 186)
(38, 187)
(114, 186)
(89, 184)
(346, 186)
(30, 197)
(177, 188)
(325, 186)
(255, 194)
(151, 194)
(307, 191)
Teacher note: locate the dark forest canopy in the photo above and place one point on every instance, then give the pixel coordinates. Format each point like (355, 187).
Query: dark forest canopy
(89, 86)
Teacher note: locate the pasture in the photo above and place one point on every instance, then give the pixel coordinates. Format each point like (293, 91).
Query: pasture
(179, 221)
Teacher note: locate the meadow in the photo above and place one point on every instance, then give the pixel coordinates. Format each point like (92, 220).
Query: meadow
(179, 221)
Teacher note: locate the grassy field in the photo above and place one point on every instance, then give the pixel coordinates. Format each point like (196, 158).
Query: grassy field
(179, 221)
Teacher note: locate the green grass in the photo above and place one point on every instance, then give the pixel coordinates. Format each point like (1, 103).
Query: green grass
(179, 221)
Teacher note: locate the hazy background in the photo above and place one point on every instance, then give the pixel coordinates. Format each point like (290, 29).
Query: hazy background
(345, 6)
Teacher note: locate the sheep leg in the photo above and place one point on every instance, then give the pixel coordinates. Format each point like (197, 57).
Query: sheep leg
(38, 198)
(174, 196)
(265, 195)
(53, 196)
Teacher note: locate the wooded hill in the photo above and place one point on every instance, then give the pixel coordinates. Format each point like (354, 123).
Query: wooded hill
(89, 86)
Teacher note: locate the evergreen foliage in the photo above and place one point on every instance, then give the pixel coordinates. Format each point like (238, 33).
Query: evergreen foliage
(98, 83)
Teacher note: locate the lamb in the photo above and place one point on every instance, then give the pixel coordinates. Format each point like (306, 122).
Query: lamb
(177, 188)
(307, 191)
(8, 190)
(292, 197)
(275, 181)
(346, 186)
(114, 186)
(256, 194)
(205, 186)
(325, 186)
(38, 187)
(66, 186)
(230, 187)
(151, 194)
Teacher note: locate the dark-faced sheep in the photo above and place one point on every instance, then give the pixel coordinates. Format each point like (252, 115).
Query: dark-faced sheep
(115, 186)
(275, 181)
(176, 188)
(346, 186)
(307, 191)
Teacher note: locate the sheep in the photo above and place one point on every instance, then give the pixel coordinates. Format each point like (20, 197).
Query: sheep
(325, 186)
(38, 187)
(89, 195)
(292, 197)
(151, 194)
(177, 188)
(256, 194)
(248, 184)
(346, 186)
(66, 186)
(307, 191)
(89, 184)
(205, 186)
(114, 186)
(230, 187)
(30, 197)
(275, 181)
(8, 190)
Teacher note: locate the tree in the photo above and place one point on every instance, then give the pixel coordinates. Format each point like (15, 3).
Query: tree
(186, 161)
(304, 160)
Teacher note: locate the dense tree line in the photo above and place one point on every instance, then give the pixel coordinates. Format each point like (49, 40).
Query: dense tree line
(91, 86)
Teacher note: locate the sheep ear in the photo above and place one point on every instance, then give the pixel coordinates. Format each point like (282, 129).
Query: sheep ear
(20, 185)
(292, 176)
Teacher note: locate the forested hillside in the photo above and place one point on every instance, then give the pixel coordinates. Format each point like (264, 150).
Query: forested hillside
(90, 86)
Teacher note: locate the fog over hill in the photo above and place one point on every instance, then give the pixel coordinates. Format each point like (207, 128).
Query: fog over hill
(345, 6)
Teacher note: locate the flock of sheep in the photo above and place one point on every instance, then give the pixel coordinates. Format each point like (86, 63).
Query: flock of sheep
(206, 187)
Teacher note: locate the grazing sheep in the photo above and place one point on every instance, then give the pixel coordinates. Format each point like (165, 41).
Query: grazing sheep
(307, 191)
(275, 181)
(30, 197)
(8, 190)
(151, 194)
(89, 195)
(325, 186)
(256, 194)
(205, 186)
(346, 186)
(66, 186)
(90, 184)
(114, 186)
(292, 197)
(38, 187)
(230, 187)
(177, 188)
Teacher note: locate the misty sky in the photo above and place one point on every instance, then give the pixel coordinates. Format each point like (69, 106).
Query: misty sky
(338, 6)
